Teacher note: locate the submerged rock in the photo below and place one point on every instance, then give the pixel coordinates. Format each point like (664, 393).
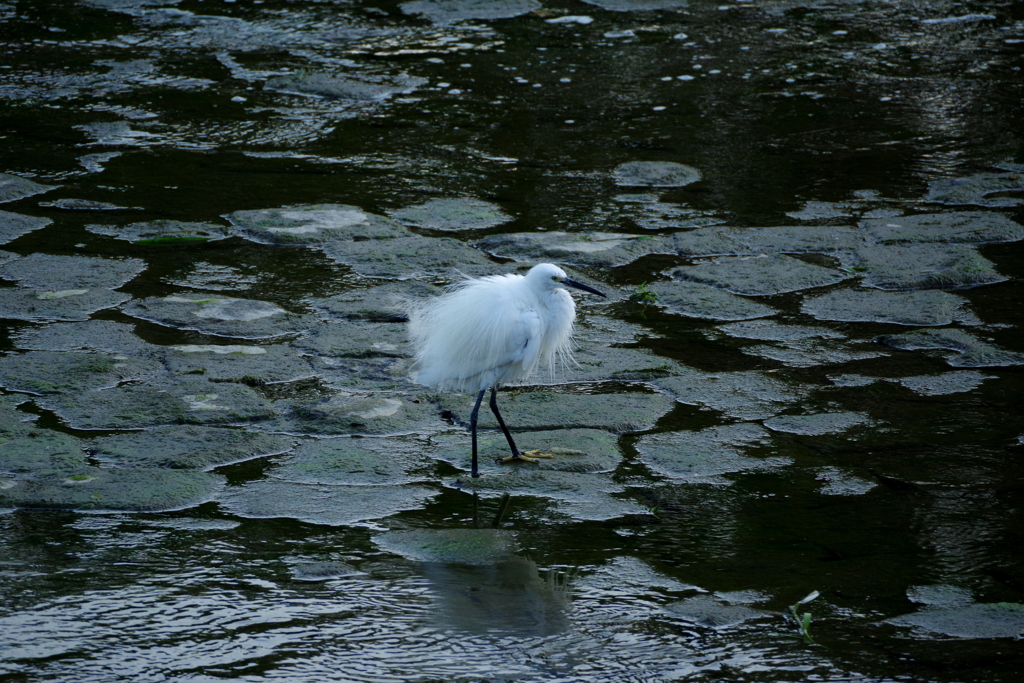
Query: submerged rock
(978, 620)
(655, 174)
(461, 546)
(357, 462)
(57, 306)
(452, 214)
(928, 307)
(710, 612)
(358, 87)
(759, 275)
(945, 383)
(574, 450)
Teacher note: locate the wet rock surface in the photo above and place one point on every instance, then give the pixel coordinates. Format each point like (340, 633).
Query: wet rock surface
(807, 219)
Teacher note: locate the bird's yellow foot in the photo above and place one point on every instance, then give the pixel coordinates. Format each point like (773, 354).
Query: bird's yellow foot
(528, 456)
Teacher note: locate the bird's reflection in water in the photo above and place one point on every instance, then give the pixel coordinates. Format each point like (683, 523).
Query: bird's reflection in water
(510, 596)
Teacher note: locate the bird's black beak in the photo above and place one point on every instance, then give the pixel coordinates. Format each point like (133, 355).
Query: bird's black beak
(579, 285)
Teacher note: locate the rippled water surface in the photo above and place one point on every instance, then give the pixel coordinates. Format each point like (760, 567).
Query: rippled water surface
(805, 381)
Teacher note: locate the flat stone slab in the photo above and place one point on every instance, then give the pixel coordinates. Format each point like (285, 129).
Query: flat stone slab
(364, 414)
(709, 241)
(357, 462)
(759, 275)
(14, 225)
(696, 300)
(54, 372)
(91, 335)
(977, 188)
(57, 305)
(706, 455)
(574, 450)
(969, 351)
(979, 620)
(221, 316)
(944, 383)
(253, 365)
(540, 410)
(798, 239)
(577, 248)
(926, 307)
(321, 504)
(962, 227)
(451, 11)
(799, 345)
(29, 450)
(185, 447)
(356, 340)
(383, 303)
(744, 395)
(14, 187)
(655, 173)
(71, 273)
(366, 373)
(95, 489)
(410, 257)
(163, 232)
(818, 424)
(310, 225)
(452, 214)
(921, 266)
(139, 406)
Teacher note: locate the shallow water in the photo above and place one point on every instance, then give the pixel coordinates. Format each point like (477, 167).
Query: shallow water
(806, 377)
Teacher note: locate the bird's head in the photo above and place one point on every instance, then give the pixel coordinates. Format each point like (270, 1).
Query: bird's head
(547, 276)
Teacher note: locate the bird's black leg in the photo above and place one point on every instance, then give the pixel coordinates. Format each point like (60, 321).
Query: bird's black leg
(472, 427)
(501, 423)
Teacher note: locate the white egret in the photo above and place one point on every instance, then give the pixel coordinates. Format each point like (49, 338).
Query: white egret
(489, 331)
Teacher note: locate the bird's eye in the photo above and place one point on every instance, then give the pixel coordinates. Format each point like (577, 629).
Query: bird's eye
(554, 278)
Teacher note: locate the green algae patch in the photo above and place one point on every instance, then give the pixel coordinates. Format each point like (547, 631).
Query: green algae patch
(185, 447)
(695, 300)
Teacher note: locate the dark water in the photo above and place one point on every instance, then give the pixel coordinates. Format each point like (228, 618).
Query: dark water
(183, 495)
